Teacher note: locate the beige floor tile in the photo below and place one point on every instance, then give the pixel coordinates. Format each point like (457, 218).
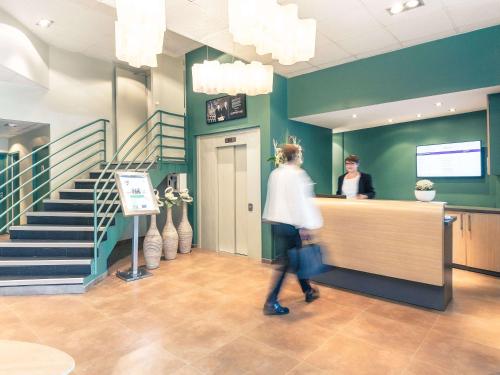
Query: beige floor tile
(462, 356)
(423, 368)
(350, 299)
(390, 333)
(306, 369)
(244, 355)
(295, 337)
(481, 330)
(404, 313)
(197, 338)
(346, 355)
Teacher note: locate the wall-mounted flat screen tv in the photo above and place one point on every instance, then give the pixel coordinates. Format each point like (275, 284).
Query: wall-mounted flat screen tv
(461, 159)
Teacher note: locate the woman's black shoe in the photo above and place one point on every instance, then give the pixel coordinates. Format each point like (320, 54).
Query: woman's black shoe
(275, 309)
(312, 294)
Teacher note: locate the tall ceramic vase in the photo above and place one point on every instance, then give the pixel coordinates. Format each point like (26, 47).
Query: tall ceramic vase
(185, 232)
(170, 237)
(152, 246)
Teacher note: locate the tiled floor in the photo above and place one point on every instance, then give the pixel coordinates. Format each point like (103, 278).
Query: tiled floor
(201, 314)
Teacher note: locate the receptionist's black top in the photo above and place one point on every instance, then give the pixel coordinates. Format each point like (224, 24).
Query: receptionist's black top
(365, 186)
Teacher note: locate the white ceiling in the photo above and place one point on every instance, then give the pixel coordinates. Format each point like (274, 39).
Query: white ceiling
(402, 111)
(21, 127)
(347, 29)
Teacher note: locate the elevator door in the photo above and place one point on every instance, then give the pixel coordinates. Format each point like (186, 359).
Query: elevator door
(232, 199)
(228, 193)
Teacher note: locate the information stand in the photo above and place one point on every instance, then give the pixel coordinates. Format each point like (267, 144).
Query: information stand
(137, 199)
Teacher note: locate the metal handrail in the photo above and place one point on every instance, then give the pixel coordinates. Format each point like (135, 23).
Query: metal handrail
(130, 146)
(70, 162)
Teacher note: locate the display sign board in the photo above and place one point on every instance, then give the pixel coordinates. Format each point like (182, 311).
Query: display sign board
(136, 194)
(226, 108)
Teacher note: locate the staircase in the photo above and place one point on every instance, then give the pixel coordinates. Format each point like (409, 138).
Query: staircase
(64, 248)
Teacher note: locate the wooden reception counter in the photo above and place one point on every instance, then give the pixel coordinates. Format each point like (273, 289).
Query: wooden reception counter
(399, 250)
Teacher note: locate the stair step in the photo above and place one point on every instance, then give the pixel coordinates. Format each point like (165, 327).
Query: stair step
(88, 183)
(77, 205)
(38, 261)
(85, 194)
(41, 280)
(39, 248)
(97, 174)
(64, 218)
(41, 269)
(52, 232)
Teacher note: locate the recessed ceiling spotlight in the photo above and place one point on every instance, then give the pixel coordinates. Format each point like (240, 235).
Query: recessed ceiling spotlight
(419, 115)
(403, 7)
(390, 120)
(45, 23)
(452, 109)
(396, 8)
(439, 104)
(354, 116)
(412, 3)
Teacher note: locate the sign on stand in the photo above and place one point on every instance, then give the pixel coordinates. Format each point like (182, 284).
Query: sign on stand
(137, 199)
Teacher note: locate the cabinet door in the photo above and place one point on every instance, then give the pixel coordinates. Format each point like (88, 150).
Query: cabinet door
(483, 241)
(459, 253)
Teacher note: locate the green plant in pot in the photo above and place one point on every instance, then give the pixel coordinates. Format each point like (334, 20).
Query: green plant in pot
(424, 190)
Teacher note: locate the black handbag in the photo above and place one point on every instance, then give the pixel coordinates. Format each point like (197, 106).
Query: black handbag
(307, 261)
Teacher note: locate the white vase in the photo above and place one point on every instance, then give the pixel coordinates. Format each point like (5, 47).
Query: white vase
(170, 237)
(152, 246)
(425, 195)
(185, 232)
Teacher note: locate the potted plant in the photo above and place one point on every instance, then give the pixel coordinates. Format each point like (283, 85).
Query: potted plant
(424, 191)
(169, 233)
(184, 229)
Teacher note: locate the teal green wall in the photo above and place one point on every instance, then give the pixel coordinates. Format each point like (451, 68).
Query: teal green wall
(258, 115)
(494, 120)
(269, 113)
(315, 141)
(458, 63)
(388, 154)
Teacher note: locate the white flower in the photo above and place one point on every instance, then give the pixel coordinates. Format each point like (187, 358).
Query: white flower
(170, 198)
(425, 185)
(158, 199)
(184, 194)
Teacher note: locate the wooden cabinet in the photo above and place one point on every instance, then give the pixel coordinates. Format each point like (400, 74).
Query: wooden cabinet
(459, 251)
(476, 240)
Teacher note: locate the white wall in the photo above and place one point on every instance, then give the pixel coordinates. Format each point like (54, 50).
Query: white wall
(4, 145)
(167, 84)
(22, 52)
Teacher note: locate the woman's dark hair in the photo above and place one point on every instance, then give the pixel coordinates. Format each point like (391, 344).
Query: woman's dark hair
(352, 159)
(290, 151)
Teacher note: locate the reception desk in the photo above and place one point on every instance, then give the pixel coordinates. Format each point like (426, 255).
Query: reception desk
(399, 250)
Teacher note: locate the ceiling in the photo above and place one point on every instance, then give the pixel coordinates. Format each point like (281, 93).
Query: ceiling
(20, 128)
(347, 29)
(402, 111)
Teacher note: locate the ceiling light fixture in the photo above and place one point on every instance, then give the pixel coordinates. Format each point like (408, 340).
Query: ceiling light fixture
(273, 28)
(419, 115)
(45, 23)
(452, 109)
(212, 77)
(354, 115)
(396, 8)
(390, 120)
(403, 7)
(139, 31)
(412, 3)
(439, 104)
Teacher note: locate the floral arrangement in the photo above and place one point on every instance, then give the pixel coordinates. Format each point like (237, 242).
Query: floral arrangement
(185, 197)
(279, 157)
(424, 185)
(169, 200)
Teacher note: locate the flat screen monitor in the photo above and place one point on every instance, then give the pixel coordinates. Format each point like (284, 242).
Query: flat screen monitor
(461, 159)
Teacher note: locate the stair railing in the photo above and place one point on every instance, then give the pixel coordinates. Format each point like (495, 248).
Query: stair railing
(157, 140)
(89, 143)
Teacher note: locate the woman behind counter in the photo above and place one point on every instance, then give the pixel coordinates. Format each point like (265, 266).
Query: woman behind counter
(355, 184)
